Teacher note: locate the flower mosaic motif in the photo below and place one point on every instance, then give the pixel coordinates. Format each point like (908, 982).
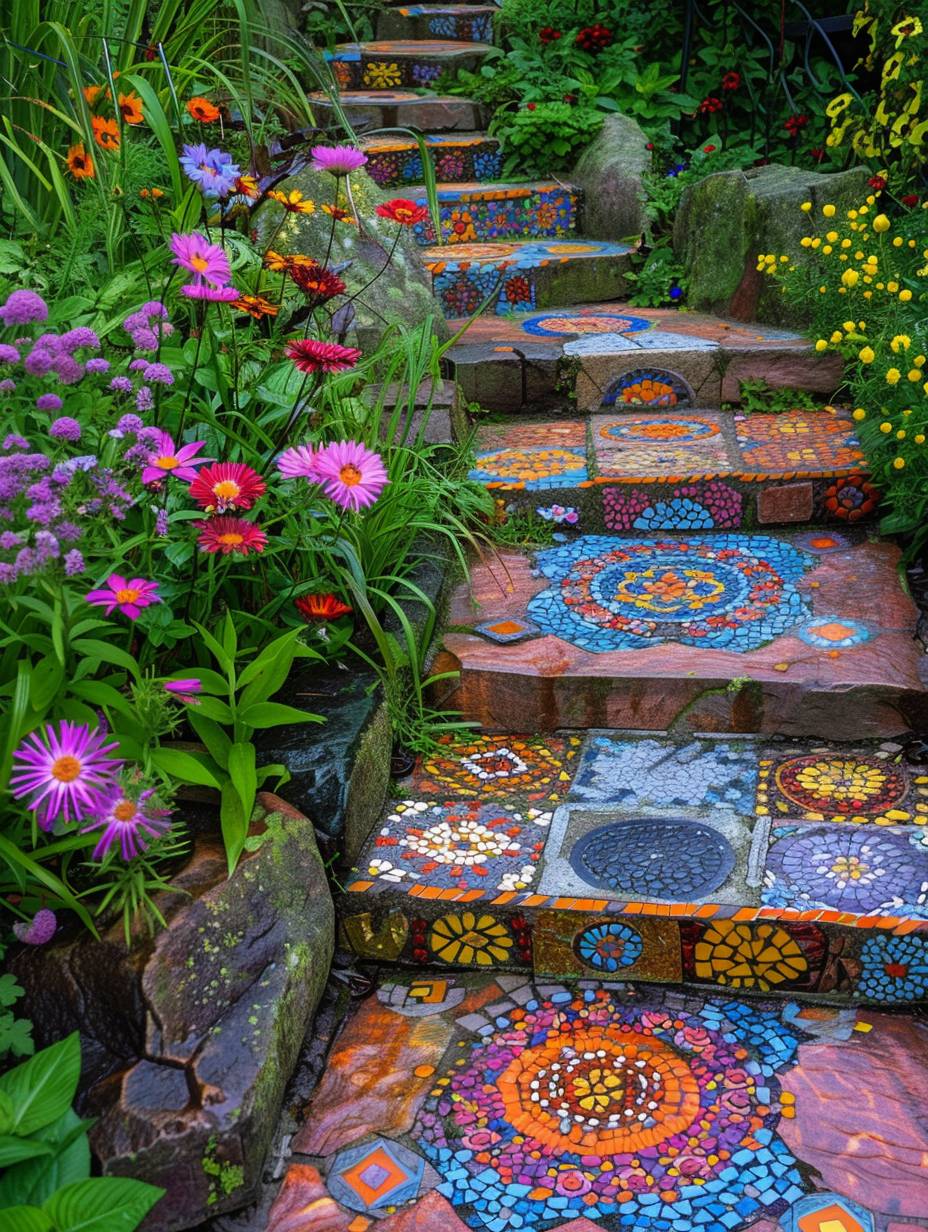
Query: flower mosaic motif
(755, 957)
(735, 592)
(557, 325)
(615, 1108)
(842, 786)
(795, 441)
(834, 633)
(648, 387)
(530, 768)
(700, 506)
(470, 939)
(609, 947)
(851, 498)
(894, 969)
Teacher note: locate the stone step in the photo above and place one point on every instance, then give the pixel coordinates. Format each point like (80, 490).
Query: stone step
(493, 1102)
(396, 64)
(644, 857)
(598, 352)
(808, 633)
(367, 109)
(465, 23)
(525, 275)
(481, 213)
(686, 471)
(458, 158)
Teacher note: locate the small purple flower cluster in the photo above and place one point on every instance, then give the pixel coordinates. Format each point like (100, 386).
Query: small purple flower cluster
(23, 308)
(213, 171)
(149, 326)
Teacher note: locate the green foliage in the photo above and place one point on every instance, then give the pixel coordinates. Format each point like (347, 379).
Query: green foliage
(15, 1033)
(545, 137)
(759, 398)
(659, 281)
(45, 1184)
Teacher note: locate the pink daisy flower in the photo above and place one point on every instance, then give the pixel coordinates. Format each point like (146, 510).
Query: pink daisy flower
(184, 690)
(215, 295)
(168, 459)
(337, 159)
(129, 596)
(298, 463)
(227, 485)
(130, 823)
(351, 474)
(207, 262)
(227, 535)
(312, 356)
(63, 771)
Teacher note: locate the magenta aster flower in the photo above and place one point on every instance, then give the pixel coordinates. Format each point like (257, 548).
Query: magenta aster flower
(167, 459)
(351, 474)
(230, 535)
(298, 463)
(227, 485)
(64, 771)
(312, 356)
(130, 823)
(39, 930)
(207, 262)
(215, 295)
(337, 159)
(129, 596)
(184, 690)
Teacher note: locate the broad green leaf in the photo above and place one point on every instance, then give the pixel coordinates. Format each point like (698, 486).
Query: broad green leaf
(212, 735)
(25, 1219)
(275, 714)
(234, 823)
(14, 1150)
(185, 766)
(37, 1179)
(213, 708)
(242, 773)
(216, 650)
(91, 648)
(102, 1204)
(267, 673)
(43, 1087)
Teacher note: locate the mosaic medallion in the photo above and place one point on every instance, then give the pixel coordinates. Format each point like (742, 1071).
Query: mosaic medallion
(757, 957)
(660, 445)
(851, 498)
(585, 1103)
(470, 939)
(533, 469)
(840, 786)
(834, 632)
(638, 431)
(731, 591)
(609, 947)
(508, 630)
(845, 868)
(529, 767)
(375, 1175)
(798, 441)
(547, 325)
(648, 387)
(696, 506)
(653, 857)
(827, 1212)
(894, 969)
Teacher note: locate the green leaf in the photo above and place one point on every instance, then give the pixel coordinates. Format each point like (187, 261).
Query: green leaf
(16, 1036)
(229, 636)
(102, 1204)
(274, 714)
(185, 766)
(211, 681)
(25, 1219)
(242, 773)
(105, 652)
(212, 735)
(216, 650)
(14, 1150)
(213, 708)
(267, 673)
(35, 1180)
(10, 991)
(47, 677)
(234, 823)
(43, 1087)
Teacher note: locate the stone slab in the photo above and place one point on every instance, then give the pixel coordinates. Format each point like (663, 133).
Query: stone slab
(367, 109)
(395, 64)
(842, 662)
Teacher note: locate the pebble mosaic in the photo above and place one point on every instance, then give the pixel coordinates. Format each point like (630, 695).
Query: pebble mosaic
(472, 212)
(649, 387)
(800, 442)
(705, 505)
(566, 324)
(831, 784)
(532, 769)
(456, 158)
(652, 857)
(533, 468)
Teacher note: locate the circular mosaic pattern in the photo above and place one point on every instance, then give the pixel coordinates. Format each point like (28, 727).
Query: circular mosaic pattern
(719, 590)
(644, 387)
(549, 325)
(894, 969)
(607, 947)
(657, 431)
(841, 785)
(851, 498)
(471, 939)
(822, 542)
(654, 857)
(584, 1103)
(521, 465)
(834, 633)
(845, 868)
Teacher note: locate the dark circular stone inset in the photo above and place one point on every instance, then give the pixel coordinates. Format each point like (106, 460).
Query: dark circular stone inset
(654, 857)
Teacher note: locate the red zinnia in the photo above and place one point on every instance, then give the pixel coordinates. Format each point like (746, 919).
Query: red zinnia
(877, 182)
(708, 149)
(227, 535)
(909, 199)
(227, 485)
(731, 80)
(312, 356)
(320, 283)
(710, 104)
(321, 607)
(406, 213)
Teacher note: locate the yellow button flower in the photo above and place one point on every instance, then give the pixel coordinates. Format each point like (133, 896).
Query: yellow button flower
(821, 345)
(919, 438)
(900, 435)
(866, 355)
(901, 342)
(827, 249)
(898, 463)
(893, 376)
(919, 361)
(850, 278)
(897, 242)
(837, 336)
(905, 296)
(805, 242)
(849, 327)
(914, 375)
(822, 290)
(831, 236)
(881, 223)
(852, 213)
(816, 243)
(845, 243)
(886, 427)
(829, 211)
(892, 286)
(859, 414)
(806, 206)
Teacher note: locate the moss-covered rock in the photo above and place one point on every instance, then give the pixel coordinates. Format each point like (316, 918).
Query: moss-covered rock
(610, 172)
(401, 294)
(725, 220)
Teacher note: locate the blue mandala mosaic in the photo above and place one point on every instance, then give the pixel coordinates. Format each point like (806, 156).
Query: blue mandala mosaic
(609, 947)
(559, 324)
(732, 592)
(834, 632)
(894, 969)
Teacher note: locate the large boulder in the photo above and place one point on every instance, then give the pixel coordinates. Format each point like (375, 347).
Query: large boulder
(189, 1040)
(400, 294)
(725, 220)
(610, 173)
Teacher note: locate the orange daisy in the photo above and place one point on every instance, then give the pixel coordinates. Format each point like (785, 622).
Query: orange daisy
(256, 306)
(203, 110)
(340, 215)
(91, 94)
(131, 107)
(80, 164)
(294, 202)
(281, 264)
(105, 133)
(247, 186)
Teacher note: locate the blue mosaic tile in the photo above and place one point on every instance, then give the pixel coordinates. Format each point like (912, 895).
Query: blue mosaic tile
(559, 324)
(724, 591)
(374, 1175)
(894, 969)
(835, 1213)
(834, 632)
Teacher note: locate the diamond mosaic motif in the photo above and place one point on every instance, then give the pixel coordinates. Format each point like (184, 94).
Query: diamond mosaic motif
(506, 631)
(375, 1175)
(827, 1212)
(723, 591)
(530, 768)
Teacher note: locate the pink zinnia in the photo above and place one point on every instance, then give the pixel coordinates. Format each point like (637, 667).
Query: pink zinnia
(207, 262)
(227, 535)
(127, 822)
(184, 690)
(298, 463)
(166, 459)
(351, 474)
(64, 771)
(227, 485)
(337, 159)
(312, 356)
(215, 295)
(129, 596)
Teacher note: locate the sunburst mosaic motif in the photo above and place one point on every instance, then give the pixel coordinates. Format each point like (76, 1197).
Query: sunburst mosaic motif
(842, 786)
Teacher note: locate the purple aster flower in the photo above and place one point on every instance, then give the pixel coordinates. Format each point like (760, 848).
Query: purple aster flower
(15, 441)
(8, 354)
(46, 547)
(66, 429)
(121, 385)
(215, 295)
(138, 365)
(7, 573)
(39, 930)
(24, 307)
(7, 386)
(48, 402)
(40, 361)
(337, 159)
(127, 425)
(130, 823)
(145, 339)
(10, 540)
(213, 171)
(44, 512)
(26, 561)
(159, 374)
(73, 563)
(144, 399)
(64, 771)
(96, 364)
(68, 532)
(74, 339)
(161, 523)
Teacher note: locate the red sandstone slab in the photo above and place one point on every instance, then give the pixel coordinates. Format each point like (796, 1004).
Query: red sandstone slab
(873, 688)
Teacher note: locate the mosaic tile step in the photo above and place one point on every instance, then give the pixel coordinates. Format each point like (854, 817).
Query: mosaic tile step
(485, 212)
(367, 109)
(394, 64)
(594, 349)
(524, 275)
(493, 1103)
(803, 633)
(757, 865)
(395, 162)
(685, 470)
(466, 23)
